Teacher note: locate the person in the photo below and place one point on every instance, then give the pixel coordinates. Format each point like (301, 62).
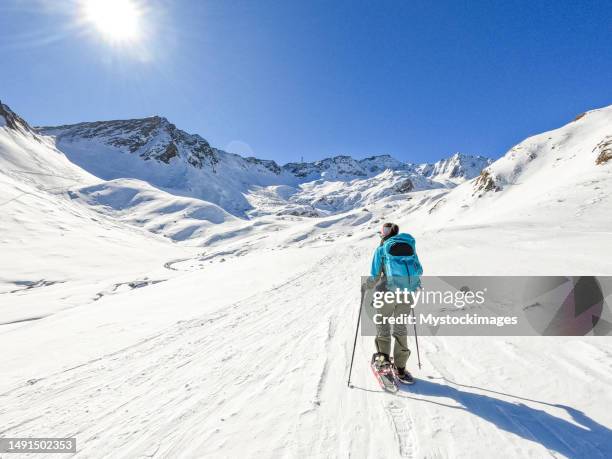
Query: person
(397, 265)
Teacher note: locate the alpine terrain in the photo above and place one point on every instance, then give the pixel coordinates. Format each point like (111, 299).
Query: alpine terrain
(160, 297)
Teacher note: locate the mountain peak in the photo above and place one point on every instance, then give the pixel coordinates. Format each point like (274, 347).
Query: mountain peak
(384, 156)
(160, 121)
(458, 167)
(13, 121)
(153, 137)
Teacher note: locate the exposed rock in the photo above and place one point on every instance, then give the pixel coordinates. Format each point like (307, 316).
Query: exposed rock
(579, 117)
(405, 186)
(171, 152)
(151, 138)
(300, 212)
(605, 150)
(14, 121)
(271, 165)
(486, 182)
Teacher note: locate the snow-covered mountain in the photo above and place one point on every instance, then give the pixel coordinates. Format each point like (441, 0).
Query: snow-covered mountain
(156, 151)
(560, 178)
(158, 139)
(151, 174)
(150, 138)
(33, 158)
(48, 239)
(345, 167)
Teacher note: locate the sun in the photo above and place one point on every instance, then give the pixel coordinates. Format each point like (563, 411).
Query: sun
(118, 21)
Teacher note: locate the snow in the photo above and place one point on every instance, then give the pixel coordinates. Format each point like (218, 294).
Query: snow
(243, 187)
(138, 203)
(142, 337)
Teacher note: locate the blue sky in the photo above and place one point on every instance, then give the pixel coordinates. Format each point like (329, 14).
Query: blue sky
(285, 79)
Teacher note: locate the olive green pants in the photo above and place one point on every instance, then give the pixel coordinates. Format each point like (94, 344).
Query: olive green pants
(384, 332)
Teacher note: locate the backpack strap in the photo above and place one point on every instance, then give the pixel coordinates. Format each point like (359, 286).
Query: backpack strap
(382, 262)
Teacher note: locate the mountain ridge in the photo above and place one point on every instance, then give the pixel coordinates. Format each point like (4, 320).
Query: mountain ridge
(136, 134)
(122, 169)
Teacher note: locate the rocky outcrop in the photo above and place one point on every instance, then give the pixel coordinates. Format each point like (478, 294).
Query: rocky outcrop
(171, 152)
(267, 163)
(486, 182)
(13, 121)
(604, 150)
(579, 117)
(405, 186)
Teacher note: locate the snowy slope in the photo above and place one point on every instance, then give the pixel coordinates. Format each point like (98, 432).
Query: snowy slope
(139, 204)
(56, 253)
(555, 180)
(32, 158)
(262, 368)
(240, 347)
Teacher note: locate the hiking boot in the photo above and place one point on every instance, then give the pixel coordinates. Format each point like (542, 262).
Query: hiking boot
(404, 376)
(379, 359)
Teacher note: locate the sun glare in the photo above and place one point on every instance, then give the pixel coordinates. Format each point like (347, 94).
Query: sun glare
(118, 21)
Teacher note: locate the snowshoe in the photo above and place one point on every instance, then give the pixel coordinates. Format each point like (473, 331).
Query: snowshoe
(384, 372)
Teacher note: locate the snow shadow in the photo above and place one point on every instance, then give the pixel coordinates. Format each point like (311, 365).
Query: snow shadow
(579, 439)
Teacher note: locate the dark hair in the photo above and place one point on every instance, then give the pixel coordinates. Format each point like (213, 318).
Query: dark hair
(394, 231)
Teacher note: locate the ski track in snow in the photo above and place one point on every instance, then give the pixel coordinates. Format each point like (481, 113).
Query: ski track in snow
(193, 382)
(119, 397)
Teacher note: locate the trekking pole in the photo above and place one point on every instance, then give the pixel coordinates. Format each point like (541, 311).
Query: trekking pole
(416, 338)
(348, 383)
